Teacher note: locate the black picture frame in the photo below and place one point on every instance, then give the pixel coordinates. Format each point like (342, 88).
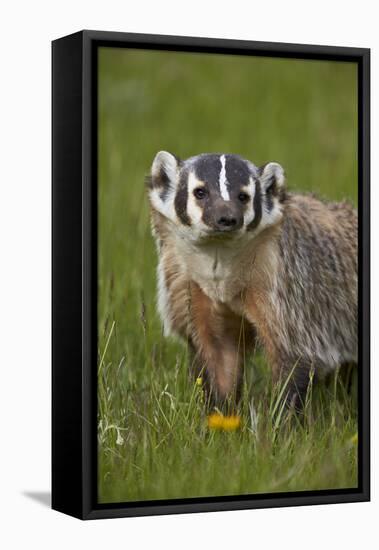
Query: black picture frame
(74, 273)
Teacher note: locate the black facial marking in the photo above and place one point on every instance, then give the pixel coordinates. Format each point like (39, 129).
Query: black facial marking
(237, 171)
(207, 169)
(257, 207)
(181, 198)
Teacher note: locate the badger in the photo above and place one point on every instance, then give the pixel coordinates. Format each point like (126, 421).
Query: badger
(243, 261)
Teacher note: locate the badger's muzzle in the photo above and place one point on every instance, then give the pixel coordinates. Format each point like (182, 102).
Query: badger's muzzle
(226, 219)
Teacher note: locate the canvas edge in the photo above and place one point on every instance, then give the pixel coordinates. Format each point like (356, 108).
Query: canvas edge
(67, 466)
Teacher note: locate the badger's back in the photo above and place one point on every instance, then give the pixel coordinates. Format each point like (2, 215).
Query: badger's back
(316, 290)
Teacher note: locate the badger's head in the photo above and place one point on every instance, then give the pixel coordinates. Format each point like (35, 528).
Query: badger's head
(216, 195)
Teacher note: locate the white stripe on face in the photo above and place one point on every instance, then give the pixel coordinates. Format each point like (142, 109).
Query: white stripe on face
(222, 180)
(195, 213)
(250, 190)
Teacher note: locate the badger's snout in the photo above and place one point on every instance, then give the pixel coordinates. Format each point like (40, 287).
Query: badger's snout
(226, 218)
(228, 222)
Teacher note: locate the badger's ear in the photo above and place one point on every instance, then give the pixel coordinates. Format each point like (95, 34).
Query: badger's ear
(164, 170)
(163, 183)
(272, 178)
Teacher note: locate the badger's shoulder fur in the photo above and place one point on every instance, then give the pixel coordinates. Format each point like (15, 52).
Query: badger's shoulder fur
(313, 301)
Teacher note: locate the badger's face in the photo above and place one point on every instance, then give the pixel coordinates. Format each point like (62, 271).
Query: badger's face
(216, 195)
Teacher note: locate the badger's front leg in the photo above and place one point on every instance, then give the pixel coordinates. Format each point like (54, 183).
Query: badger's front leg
(219, 340)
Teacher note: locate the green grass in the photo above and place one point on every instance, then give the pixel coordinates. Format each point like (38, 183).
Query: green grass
(153, 439)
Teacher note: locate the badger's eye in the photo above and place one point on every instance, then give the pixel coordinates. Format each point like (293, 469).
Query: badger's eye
(243, 197)
(199, 192)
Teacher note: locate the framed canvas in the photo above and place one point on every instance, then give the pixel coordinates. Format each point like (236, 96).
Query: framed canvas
(210, 275)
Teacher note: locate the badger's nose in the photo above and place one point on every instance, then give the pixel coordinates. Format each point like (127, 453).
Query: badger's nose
(227, 222)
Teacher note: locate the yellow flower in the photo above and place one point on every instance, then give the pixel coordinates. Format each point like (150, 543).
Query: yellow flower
(231, 423)
(199, 381)
(215, 421)
(218, 421)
